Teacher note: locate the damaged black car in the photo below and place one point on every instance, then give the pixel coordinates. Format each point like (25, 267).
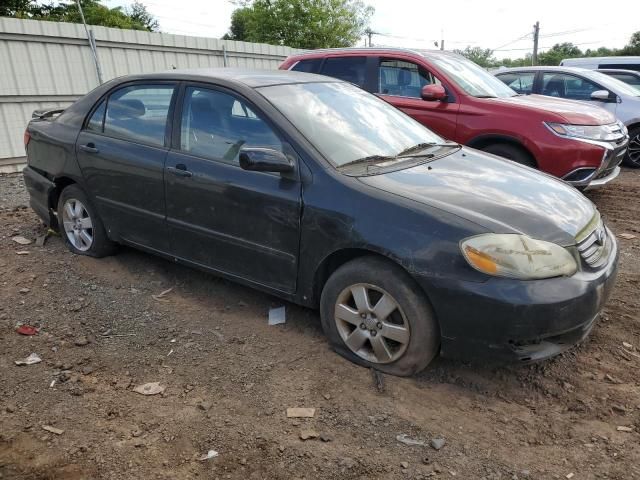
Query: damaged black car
(315, 191)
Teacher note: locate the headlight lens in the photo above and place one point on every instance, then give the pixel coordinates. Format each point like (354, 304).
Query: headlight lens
(517, 256)
(590, 132)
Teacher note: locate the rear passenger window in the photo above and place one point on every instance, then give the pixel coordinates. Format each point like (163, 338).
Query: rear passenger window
(310, 66)
(520, 82)
(217, 125)
(139, 113)
(349, 69)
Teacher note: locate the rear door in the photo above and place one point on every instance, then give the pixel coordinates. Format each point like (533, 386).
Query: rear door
(121, 151)
(521, 82)
(242, 223)
(356, 69)
(400, 82)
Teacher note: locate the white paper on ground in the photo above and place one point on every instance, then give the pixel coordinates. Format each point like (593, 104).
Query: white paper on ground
(277, 316)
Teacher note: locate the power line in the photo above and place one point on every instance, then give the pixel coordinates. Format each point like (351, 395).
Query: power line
(518, 49)
(512, 42)
(566, 32)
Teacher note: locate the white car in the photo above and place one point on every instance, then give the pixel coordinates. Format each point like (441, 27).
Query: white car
(595, 63)
(618, 97)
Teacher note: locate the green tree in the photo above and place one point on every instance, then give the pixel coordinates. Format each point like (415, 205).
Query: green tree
(16, 8)
(139, 14)
(559, 51)
(136, 18)
(481, 56)
(633, 47)
(238, 29)
(301, 23)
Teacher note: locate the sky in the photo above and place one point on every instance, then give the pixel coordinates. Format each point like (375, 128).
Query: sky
(504, 26)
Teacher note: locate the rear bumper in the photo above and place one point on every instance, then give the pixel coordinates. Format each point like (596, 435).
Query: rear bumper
(40, 188)
(516, 320)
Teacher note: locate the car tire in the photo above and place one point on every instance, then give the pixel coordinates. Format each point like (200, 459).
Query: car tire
(80, 225)
(511, 152)
(407, 334)
(632, 157)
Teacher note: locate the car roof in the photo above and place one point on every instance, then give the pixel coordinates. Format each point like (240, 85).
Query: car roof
(250, 77)
(374, 51)
(615, 58)
(542, 67)
(619, 70)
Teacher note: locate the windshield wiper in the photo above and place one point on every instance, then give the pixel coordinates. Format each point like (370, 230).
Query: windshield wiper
(370, 160)
(485, 96)
(423, 146)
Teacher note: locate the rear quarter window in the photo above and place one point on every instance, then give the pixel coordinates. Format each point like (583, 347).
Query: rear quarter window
(311, 65)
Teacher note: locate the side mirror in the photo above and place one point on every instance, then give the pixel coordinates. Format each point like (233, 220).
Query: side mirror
(601, 95)
(259, 159)
(432, 93)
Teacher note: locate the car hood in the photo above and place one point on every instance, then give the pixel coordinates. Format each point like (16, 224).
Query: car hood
(497, 194)
(572, 111)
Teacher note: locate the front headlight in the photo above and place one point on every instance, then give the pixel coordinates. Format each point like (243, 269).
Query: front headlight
(590, 132)
(517, 256)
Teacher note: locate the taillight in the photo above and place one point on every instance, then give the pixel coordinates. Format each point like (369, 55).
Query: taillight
(26, 138)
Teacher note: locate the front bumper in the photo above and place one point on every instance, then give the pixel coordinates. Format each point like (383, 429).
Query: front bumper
(594, 177)
(520, 320)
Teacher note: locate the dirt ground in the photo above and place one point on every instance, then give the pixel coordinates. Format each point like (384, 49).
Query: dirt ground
(230, 377)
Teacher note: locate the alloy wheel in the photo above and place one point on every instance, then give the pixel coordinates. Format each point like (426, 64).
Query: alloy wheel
(371, 323)
(77, 224)
(634, 150)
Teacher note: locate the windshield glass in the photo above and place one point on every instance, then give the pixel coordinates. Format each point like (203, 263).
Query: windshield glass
(470, 77)
(346, 123)
(618, 86)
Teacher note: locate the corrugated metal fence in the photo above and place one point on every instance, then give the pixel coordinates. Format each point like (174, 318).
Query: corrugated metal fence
(49, 64)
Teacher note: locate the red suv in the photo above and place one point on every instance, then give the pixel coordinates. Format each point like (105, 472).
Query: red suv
(453, 96)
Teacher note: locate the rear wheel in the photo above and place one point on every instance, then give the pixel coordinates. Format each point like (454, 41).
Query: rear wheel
(632, 158)
(511, 152)
(375, 315)
(80, 225)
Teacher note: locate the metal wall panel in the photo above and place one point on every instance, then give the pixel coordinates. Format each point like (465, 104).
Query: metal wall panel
(46, 64)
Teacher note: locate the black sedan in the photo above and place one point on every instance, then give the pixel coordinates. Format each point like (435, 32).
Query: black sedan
(315, 191)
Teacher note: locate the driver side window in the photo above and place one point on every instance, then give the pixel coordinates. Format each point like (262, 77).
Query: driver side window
(403, 79)
(567, 86)
(217, 125)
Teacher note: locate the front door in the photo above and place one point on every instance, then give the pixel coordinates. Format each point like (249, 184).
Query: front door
(121, 152)
(400, 83)
(573, 87)
(242, 223)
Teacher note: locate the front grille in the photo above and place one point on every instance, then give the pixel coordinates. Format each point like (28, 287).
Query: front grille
(612, 159)
(594, 248)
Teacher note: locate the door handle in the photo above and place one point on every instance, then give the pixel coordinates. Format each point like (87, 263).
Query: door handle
(89, 148)
(180, 170)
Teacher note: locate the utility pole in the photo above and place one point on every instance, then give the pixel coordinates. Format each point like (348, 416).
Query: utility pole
(369, 34)
(92, 43)
(536, 34)
(441, 39)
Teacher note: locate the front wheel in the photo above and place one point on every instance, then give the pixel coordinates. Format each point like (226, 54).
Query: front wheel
(375, 315)
(80, 224)
(511, 152)
(632, 157)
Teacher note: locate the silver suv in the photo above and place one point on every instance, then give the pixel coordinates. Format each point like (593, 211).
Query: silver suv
(618, 97)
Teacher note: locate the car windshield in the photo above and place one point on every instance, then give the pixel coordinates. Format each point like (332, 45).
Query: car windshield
(611, 83)
(473, 79)
(347, 124)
